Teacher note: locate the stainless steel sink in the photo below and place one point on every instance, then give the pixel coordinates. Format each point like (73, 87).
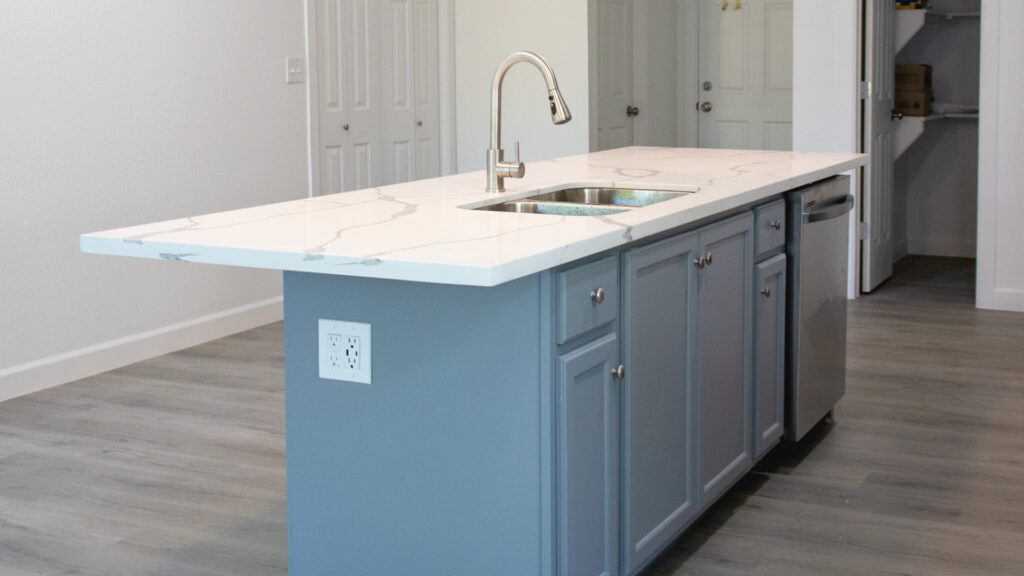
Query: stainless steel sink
(556, 208)
(583, 201)
(628, 197)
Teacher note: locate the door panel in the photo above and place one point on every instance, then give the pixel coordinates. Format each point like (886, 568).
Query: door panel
(769, 352)
(657, 454)
(723, 354)
(378, 100)
(348, 134)
(588, 491)
(877, 206)
(746, 74)
(614, 73)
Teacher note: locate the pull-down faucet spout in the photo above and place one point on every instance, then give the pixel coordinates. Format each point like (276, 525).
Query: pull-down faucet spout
(497, 168)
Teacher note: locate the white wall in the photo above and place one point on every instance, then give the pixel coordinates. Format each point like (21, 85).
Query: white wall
(486, 31)
(119, 112)
(1001, 150)
(826, 66)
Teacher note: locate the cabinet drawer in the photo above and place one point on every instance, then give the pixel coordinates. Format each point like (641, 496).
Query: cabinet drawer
(588, 297)
(769, 227)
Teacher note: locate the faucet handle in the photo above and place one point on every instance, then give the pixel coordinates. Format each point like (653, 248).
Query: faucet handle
(517, 151)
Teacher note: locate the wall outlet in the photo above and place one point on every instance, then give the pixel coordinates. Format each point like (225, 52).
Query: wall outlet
(344, 351)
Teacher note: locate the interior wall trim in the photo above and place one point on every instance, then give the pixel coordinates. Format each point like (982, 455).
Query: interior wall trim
(98, 358)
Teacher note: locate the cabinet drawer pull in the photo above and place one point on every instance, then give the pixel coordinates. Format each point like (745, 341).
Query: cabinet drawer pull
(776, 225)
(619, 372)
(767, 292)
(597, 295)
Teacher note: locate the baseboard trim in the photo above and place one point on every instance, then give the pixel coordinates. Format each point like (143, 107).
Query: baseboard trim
(77, 364)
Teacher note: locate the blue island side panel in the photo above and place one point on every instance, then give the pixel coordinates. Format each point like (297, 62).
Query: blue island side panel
(438, 467)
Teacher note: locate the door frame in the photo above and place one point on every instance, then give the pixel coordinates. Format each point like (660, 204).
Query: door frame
(445, 88)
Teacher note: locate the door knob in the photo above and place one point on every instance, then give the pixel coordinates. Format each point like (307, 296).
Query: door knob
(896, 115)
(632, 111)
(705, 107)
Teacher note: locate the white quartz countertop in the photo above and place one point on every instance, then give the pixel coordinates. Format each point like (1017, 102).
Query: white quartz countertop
(419, 231)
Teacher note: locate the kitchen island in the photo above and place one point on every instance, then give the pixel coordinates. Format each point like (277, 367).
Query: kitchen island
(547, 394)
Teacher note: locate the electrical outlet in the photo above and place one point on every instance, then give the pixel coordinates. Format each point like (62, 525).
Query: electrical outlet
(344, 351)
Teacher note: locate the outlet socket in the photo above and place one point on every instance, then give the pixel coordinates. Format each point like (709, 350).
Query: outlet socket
(344, 351)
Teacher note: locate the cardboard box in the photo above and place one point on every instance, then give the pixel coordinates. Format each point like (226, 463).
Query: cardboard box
(914, 103)
(913, 77)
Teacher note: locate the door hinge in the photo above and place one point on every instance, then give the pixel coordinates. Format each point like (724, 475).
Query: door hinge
(863, 231)
(864, 89)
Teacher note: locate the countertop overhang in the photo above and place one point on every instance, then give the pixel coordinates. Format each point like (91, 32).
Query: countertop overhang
(420, 231)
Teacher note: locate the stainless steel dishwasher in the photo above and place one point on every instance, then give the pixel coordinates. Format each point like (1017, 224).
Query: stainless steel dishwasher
(817, 241)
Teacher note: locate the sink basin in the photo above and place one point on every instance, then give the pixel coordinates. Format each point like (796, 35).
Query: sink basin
(556, 208)
(584, 201)
(628, 197)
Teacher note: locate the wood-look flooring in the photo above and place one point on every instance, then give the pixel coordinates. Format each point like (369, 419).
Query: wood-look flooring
(175, 465)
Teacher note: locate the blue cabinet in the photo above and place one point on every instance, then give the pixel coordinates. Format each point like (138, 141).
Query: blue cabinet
(659, 495)
(723, 344)
(569, 423)
(588, 463)
(769, 351)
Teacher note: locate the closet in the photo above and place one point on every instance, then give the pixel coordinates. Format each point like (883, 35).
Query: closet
(935, 175)
(377, 98)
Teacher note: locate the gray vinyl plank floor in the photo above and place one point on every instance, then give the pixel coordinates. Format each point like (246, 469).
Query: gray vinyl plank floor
(175, 466)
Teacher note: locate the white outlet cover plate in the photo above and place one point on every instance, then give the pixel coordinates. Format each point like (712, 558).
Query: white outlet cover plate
(344, 351)
(295, 70)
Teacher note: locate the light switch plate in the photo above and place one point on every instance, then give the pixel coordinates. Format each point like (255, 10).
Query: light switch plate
(344, 351)
(295, 70)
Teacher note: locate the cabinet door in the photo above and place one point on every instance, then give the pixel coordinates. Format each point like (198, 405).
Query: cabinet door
(659, 492)
(588, 467)
(769, 350)
(723, 354)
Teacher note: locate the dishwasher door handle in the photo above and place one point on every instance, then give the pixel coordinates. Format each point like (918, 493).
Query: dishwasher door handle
(829, 211)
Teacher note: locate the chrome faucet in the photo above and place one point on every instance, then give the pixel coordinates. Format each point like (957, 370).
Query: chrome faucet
(497, 168)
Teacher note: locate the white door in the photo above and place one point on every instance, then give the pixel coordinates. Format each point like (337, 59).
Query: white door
(378, 81)
(409, 86)
(745, 87)
(877, 204)
(349, 80)
(614, 73)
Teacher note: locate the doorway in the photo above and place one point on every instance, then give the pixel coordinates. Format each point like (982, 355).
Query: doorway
(380, 92)
(921, 186)
(698, 73)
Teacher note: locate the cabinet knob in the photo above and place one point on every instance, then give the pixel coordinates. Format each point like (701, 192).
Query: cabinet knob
(767, 292)
(700, 262)
(619, 372)
(707, 258)
(597, 295)
(419, 122)
(776, 225)
(344, 127)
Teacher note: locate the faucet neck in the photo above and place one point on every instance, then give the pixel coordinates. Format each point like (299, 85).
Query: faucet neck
(497, 168)
(499, 76)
